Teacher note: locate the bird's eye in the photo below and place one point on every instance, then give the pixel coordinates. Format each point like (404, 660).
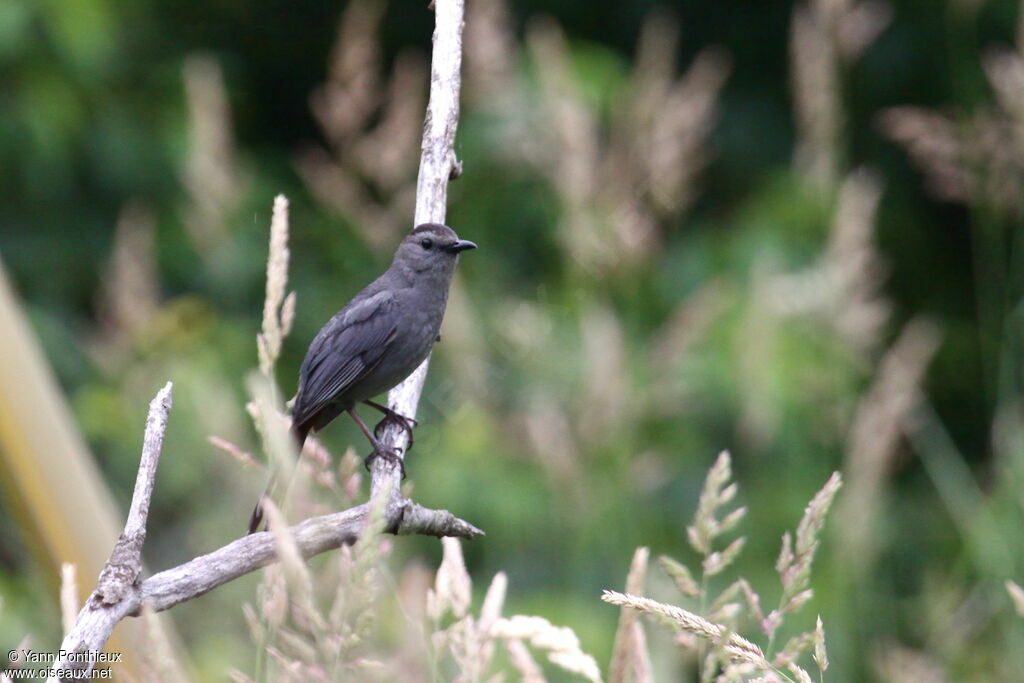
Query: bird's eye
(427, 243)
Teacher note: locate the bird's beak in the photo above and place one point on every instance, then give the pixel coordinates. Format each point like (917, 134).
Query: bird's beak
(460, 245)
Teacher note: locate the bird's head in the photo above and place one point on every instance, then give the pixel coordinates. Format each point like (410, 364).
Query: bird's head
(431, 247)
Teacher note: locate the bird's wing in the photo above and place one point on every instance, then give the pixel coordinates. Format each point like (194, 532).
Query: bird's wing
(348, 347)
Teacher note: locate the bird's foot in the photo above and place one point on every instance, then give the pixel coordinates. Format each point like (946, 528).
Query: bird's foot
(391, 417)
(389, 455)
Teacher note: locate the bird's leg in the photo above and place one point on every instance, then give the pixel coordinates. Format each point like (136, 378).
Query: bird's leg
(409, 422)
(379, 449)
(406, 423)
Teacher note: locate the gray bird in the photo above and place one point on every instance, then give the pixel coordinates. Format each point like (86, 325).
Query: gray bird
(377, 339)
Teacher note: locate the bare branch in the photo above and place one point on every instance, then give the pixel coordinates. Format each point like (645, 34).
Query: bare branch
(247, 554)
(125, 562)
(312, 537)
(437, 166)
(120, 577)
(437, 162)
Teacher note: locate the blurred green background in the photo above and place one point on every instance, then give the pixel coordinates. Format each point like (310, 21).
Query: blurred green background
(787, 230)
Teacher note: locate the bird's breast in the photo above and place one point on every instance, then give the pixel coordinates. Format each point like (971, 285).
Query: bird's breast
(418, 323)
(420, 319)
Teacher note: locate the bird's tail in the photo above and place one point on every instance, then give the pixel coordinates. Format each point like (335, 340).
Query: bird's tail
(299, 433)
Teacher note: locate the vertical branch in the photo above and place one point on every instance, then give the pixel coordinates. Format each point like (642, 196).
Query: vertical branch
(156, 424)
(116, 593)
(437, 161)
(437, 166)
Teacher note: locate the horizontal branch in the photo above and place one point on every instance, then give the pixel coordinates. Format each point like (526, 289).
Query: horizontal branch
(312, 537)
(247, 554)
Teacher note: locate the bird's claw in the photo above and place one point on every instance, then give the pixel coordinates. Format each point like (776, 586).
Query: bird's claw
(406, 423)
(389, 455)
